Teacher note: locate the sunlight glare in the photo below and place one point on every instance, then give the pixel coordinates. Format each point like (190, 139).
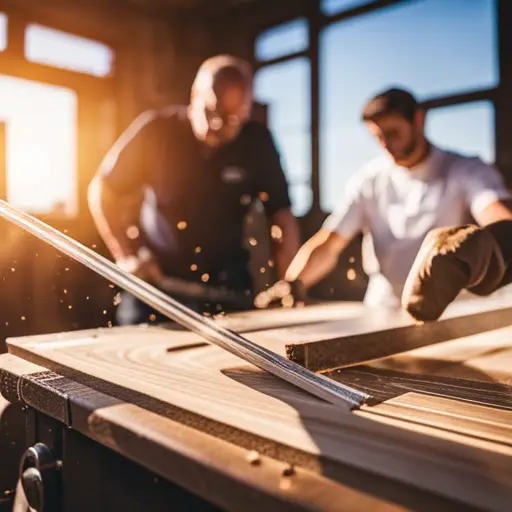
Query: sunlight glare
(41, 146)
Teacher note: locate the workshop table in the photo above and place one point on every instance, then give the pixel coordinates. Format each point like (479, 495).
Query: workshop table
(154, 418)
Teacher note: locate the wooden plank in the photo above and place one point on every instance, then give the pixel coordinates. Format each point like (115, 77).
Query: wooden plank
(214, 392)
(382, 333)
(278, 318)
(212, 468)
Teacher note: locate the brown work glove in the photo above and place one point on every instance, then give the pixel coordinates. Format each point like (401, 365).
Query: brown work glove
(283, 293)
(477, 259)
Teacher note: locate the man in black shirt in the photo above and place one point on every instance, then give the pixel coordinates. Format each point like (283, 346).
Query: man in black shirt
(171, 195)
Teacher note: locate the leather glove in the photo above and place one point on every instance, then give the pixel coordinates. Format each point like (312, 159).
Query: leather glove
(467, 257)
(143, 265)
(287, 293)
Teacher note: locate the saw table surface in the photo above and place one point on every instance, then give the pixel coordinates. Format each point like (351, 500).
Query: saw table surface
(440, 417)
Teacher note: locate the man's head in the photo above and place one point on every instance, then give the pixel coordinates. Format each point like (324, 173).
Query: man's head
(221, 99)
(396, 119)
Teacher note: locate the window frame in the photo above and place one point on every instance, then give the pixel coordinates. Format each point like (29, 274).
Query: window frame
(497, 95)
(288, 58)
(91, 91)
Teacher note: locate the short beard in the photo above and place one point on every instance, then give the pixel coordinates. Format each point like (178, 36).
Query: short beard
(409, 150)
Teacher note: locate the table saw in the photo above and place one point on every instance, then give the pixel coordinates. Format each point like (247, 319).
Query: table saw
(156, 418)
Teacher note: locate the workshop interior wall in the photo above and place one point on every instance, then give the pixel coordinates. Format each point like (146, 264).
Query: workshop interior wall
(156, 59)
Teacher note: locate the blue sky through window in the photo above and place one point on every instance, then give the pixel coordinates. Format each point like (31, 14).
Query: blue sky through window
(291, 37)
(330, 7)
(286, 89)
(3, 31)
(433, 47)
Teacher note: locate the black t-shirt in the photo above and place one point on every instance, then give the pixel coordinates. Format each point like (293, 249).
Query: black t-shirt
(196, 198)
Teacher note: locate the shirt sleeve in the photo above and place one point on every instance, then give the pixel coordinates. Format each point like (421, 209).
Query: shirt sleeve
(483, 185)
(271, 183)
(347, 219)
(123, 168)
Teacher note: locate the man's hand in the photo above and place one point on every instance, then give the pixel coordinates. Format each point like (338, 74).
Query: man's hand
(143, 265)
(285, 293)
(458, 258)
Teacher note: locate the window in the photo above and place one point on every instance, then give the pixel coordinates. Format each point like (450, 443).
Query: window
(286, 39)
(3, 31)
(41, 146)
(431, 47)
(60, 49)
(285, 87)
(331, 7)
(466, 128)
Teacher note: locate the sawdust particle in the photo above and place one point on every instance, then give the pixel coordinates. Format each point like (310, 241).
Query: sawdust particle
(289, 470)
(132, 232)
(253, 458)
(276, 233)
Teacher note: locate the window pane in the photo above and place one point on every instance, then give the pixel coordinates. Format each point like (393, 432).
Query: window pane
(41, 146)
(467, 128)
(291, 37)
(330, 7)
(285, 88)
(60, 49)
(432, 47)
(3, 31)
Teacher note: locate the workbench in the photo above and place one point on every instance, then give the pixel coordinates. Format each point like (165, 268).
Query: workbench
(152, 418)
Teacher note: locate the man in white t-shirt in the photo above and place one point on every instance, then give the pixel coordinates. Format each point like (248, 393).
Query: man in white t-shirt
(395, 200)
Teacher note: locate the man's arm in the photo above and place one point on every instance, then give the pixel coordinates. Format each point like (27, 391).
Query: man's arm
(319, 255)
(316, 258)
(474, 258)
(495, 212)
(486, 193)
(115, 193)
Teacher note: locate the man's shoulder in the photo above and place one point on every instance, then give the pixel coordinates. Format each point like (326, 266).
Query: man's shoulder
(175, 115)
(461, 165)
(379, 168)
(255, 130)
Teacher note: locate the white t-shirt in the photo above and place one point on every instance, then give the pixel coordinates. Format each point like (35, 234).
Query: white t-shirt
(395, 207)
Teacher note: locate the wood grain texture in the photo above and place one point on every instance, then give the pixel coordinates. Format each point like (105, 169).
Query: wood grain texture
(209, 467)
(382, 333)
(214, 392)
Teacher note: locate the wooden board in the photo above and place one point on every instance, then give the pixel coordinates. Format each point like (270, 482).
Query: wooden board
(358, 340)
(214, 392)
(217, 471)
